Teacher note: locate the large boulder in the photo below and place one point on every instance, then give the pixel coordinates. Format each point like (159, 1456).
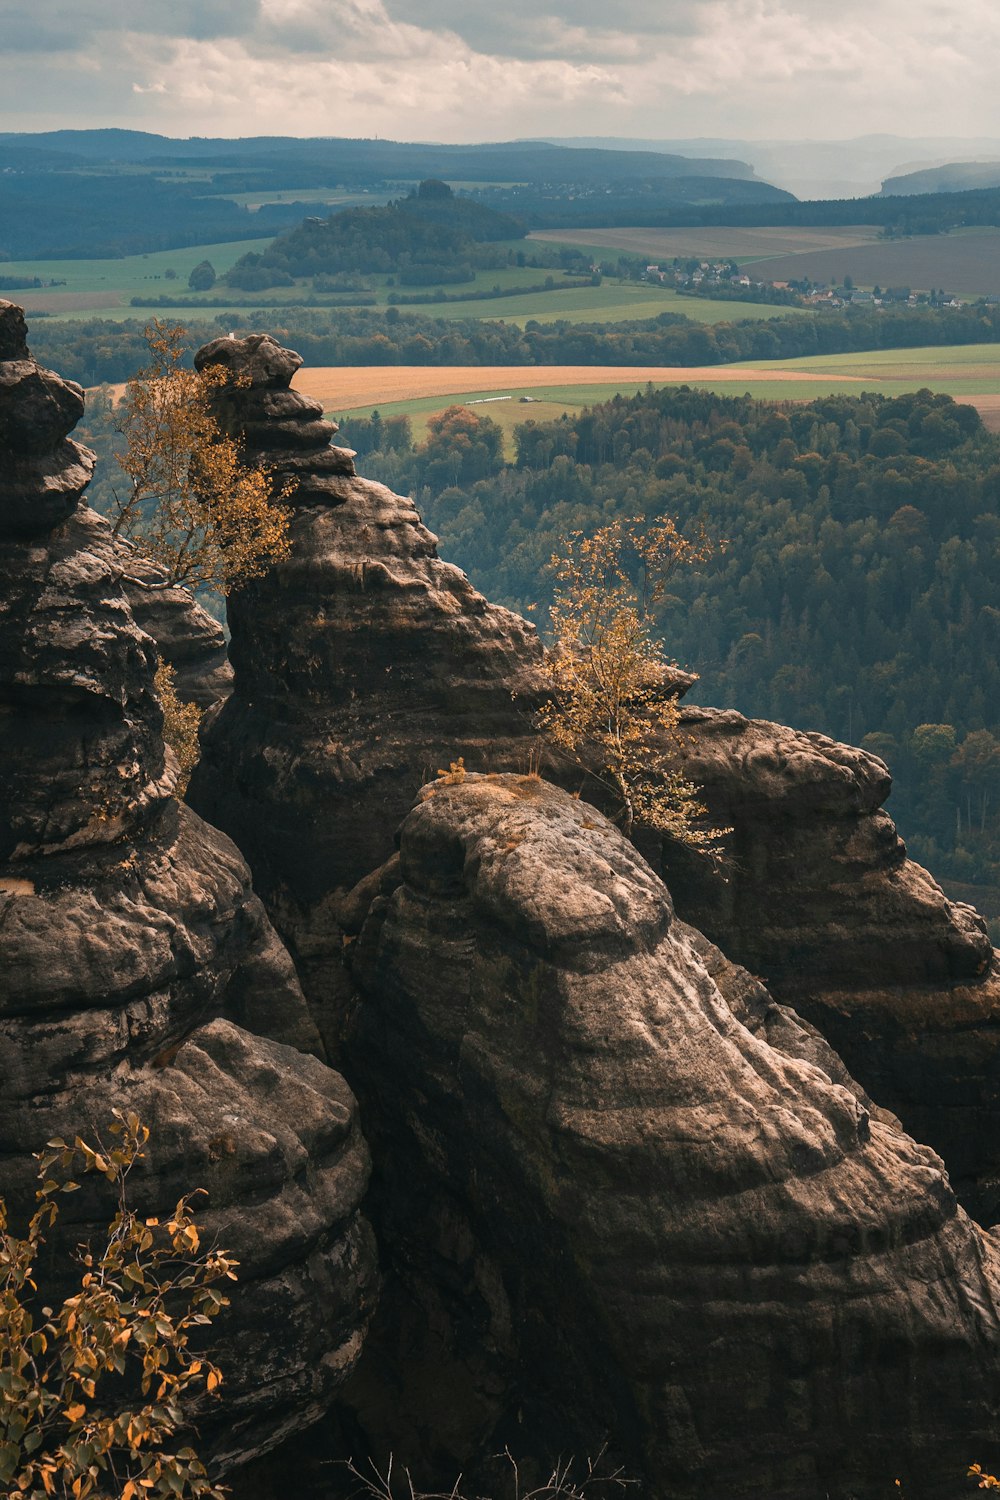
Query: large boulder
(615, 1213)
(363, 663)
(820, 899)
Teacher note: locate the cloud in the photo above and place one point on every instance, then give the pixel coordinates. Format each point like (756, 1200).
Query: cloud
(56, 26)
(420, 88)
(472, 69)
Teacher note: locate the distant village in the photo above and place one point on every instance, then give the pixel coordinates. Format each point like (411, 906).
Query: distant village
(727, 278)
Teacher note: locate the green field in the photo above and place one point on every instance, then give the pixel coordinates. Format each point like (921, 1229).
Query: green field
(103, 286)
(548, 403)
(716, 243)
(611, 302)
(969, 373)
(954, 363)
(330, 197)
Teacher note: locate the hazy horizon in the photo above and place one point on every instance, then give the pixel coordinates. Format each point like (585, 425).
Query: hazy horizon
(759, 70)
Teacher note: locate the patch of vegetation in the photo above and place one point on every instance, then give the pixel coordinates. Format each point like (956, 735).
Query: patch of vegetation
(613, 705)
(857, 594)
(94, 351)
(188, 499)
(95, 1393)
(428, 238)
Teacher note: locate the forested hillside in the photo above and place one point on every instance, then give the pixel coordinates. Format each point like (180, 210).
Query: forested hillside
(427, 237)
(855, 589)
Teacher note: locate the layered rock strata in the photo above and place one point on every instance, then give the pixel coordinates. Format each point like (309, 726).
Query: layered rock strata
(364, 664)
(139, 968)
(624, 1216)
(820, 899)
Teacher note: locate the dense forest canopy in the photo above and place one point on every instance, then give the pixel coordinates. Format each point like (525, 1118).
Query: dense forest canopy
(855, 590)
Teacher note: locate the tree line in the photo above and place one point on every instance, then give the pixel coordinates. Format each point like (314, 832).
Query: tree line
(94, 351)
(855, 590)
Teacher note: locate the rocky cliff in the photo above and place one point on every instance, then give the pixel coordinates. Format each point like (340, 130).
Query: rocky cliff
(187, 637)
(139, 968)
(364, 664)
(820, 899)
(617, 1214)
(619, 1186)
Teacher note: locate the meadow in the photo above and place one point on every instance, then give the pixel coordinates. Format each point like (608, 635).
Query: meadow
(106, 287)
(711, 243)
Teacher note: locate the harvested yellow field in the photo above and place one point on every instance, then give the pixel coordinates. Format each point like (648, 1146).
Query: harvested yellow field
(343, 388)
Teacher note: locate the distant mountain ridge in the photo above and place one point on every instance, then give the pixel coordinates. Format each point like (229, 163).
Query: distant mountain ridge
(853, 168)
(530, 160)
(954, 177)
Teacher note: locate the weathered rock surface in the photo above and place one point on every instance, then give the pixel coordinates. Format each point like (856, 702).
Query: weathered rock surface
(363, 663)
(821, 901)
(626, 1216)
(187, 637)
(134, 952)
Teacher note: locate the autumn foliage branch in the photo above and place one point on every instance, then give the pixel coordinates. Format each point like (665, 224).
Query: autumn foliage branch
(614, 699)
(192, 502)
(93, 1394)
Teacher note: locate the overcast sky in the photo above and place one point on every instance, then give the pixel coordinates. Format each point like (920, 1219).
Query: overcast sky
(467, 70)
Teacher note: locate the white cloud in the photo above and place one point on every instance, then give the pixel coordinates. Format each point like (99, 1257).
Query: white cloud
(471, 69)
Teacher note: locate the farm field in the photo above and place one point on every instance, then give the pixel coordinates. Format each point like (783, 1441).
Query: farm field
(969, 374)
(966, 262)
(348, 388)
(328, 197)
(105, 287)
(102, 285)
(711, 243)
(611, 302)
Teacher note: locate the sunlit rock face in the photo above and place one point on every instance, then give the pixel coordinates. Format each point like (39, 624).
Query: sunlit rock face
(620, 1205)
(138, 967)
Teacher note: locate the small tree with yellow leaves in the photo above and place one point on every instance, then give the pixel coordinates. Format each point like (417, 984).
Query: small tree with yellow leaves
(92, 1395)
(181, 721)
(614, 704)
(192, 502)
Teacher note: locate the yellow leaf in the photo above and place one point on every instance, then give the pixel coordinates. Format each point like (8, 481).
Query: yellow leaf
(74, 1413)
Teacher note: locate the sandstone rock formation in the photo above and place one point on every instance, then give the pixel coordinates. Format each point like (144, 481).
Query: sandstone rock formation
(364, 664)
(186, 635)
(820, 900)
(137, 962)
(624, 1216)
